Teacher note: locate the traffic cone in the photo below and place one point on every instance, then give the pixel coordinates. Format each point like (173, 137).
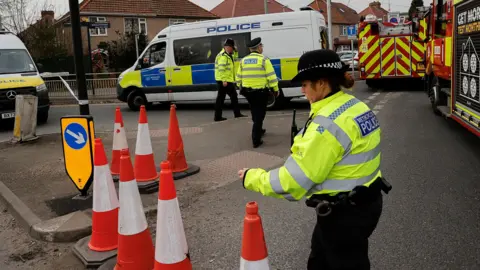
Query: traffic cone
(119, 143)
(171, 250)
(145, 170)
(135, 246)
(105, 204)
(101, 246)
(254, 248)
(176, 154)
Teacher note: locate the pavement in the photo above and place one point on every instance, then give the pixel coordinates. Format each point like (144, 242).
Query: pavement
(430, 220)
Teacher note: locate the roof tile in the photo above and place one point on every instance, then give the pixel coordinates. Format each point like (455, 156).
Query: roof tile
(247, 7)
(341, 14)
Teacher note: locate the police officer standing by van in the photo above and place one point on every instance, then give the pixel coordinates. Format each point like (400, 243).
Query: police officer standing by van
(335, 163)
(225, 77)
(256, 78)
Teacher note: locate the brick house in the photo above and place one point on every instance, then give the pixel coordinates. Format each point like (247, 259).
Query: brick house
(149, 16)
(237, 8)
(375, 8)
(342, 17)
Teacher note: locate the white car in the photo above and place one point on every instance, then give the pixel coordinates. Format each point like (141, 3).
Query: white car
(347, 59)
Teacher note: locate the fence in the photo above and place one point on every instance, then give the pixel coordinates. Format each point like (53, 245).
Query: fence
(100, 86)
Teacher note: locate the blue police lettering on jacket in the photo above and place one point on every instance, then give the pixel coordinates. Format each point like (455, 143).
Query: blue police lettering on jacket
(367, 122)
(250, 61)
(233, 27)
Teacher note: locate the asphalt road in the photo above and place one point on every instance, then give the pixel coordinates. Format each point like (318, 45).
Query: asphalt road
(431, 219)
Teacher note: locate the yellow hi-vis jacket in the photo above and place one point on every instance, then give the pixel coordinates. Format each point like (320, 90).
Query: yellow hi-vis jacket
(256, 71)
(339, 151)
(225, 66)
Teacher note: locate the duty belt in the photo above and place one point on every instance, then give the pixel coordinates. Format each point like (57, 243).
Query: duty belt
(250, 90)
(323, 204)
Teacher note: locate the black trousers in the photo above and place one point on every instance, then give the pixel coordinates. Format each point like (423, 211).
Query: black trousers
(340, 240)
(258, 107)
(221, 94)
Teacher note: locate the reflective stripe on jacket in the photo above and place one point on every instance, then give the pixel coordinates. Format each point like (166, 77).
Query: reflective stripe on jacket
(256, 72)
(339, 151)
(224, 67)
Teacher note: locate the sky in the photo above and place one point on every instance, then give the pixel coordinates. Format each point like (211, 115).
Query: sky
(61, 6)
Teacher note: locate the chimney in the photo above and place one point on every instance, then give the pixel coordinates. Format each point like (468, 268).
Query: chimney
(375, 4)
(48, 16)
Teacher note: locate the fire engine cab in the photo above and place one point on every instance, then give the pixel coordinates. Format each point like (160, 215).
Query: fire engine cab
(452, 77)
(389, 51)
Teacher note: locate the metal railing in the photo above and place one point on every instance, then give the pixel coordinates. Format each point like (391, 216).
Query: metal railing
(99, 85)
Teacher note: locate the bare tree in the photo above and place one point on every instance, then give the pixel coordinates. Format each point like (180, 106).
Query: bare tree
(18, 15)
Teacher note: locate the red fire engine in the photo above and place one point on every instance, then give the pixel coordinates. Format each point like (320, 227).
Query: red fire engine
(452, 77)
(388, 51)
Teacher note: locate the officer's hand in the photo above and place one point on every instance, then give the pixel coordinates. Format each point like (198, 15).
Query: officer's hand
(241, 173)
(225, 84)
(275, 93)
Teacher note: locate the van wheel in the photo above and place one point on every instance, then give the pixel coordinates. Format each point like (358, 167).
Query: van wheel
(42, 117)
(274, 103)
(135, 100)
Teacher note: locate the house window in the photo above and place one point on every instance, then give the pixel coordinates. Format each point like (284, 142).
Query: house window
(344, 31)
(176, 21)
(135, 25)
(98, 31)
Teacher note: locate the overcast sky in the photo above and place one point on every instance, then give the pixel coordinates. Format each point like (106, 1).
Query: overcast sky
(61, 6)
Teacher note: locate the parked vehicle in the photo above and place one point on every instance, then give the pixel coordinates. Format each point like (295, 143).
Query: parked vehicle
(19, 76)
(179, 63)
(452, 77)
(347, 59)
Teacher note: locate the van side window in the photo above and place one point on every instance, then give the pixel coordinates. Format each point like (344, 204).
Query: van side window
(155, 55)
(193, 51)
(324, 38)
(241, 41)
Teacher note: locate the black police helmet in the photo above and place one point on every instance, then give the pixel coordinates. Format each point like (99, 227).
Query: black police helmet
(229, 42)
(318, 64)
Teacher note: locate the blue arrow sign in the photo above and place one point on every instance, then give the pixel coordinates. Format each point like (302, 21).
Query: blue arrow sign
(352, 30)
(75, 136)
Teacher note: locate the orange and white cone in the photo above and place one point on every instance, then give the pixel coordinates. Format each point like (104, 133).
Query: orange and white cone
(145, 170)
(135, 246)
(105, 204)
(254, 248)
(171, 250)
(119, 143)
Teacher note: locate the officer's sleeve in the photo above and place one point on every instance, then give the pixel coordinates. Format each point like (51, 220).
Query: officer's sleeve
(312, 160)
(220, 67)
(235, 55)
(239, 74)
(271, 75)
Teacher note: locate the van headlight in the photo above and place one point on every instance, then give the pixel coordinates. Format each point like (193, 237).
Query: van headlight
(42, 87)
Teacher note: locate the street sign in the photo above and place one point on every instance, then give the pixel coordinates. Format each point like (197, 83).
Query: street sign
(77, 143)
(352, 32)
(99, 25)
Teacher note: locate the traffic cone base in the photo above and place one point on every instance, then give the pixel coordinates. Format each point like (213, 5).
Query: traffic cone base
(255, 265)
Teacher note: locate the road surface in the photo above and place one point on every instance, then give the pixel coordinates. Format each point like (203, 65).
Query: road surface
(431, 219)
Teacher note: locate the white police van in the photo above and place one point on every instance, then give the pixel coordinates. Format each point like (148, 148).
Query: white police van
(178, 64)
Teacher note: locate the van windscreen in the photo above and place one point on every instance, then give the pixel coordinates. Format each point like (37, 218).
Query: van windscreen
(15, 61)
